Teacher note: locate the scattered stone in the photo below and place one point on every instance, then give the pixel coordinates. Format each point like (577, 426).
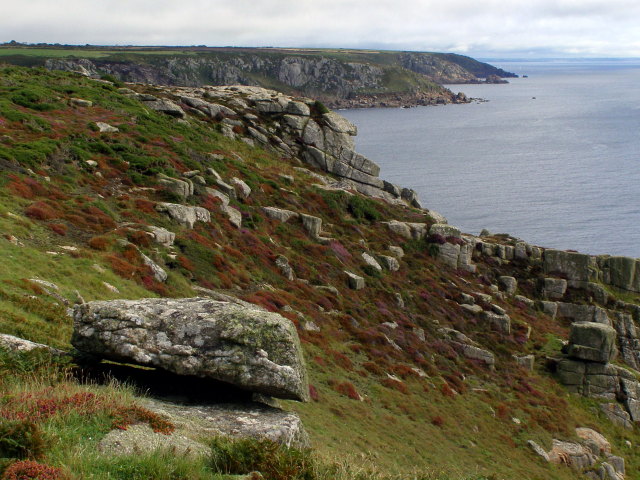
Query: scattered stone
(474, 309)
(180, 187)
(593, 440)
(279, 214)
(243, 190)
(165, 106)
(372, 262)
(444, 230)
(539, 450)
(437, 217)
(329, 288)
(399, 300)
(396, 251)
(313, 225)
(550, 308)
(390, 263)
(476, 353)
(355, 281)
(80, 102)
(524, 300)
(184, 214)
(502, 323)
(158, 272)
(525, 361)
(162, 236)
(233, 214)
(106, 128)
(17, 344)
(110, 287)
(466, 299)
(45, 284)
(497, 309)
(508, 285)
(282, 263)
(250, 348)
(310, 326)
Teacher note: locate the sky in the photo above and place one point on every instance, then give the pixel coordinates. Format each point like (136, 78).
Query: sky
(481, 28)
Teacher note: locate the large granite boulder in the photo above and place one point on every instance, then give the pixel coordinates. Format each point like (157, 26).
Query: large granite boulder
(247, 347)
(593, 342)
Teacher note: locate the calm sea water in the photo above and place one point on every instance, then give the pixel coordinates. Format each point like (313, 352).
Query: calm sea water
(553, 159)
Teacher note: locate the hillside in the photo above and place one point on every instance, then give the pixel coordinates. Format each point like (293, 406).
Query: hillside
(429, 353)
(339, 78)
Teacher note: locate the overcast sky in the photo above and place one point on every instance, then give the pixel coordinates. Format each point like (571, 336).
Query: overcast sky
(486, 28)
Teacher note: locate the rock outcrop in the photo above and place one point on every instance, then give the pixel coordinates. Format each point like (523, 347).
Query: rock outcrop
(247, 347)
(340, 82)
(590, 455)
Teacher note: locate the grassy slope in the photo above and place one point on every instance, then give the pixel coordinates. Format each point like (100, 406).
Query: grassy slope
(458, 420)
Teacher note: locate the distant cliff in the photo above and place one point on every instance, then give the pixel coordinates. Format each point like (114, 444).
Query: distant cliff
(343, 78)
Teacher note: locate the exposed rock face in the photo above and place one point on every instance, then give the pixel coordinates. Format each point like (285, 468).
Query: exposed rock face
(245, 420)
(341, 83)
(247, 347)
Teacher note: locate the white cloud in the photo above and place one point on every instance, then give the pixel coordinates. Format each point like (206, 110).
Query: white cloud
(584, 27)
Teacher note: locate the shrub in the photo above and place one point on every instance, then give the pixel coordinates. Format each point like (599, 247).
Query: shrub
(373, 368)
(395, 385)
(438, 421)
(21, 439)
(139, 237)
(320, 107)
(30, 470)
(342, 360)
(41, 211)
(59, 228)
(313, 393)
(99, 243)
(362, 208)
(371, 271)
(125, 416)
(447, 391)
(340, 250)
(272, 460)
(35, 98)
(345, 388)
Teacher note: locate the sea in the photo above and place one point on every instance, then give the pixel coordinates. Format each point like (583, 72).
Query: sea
(552, 157)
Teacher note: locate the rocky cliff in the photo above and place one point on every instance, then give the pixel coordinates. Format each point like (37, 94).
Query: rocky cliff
(341, 79)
